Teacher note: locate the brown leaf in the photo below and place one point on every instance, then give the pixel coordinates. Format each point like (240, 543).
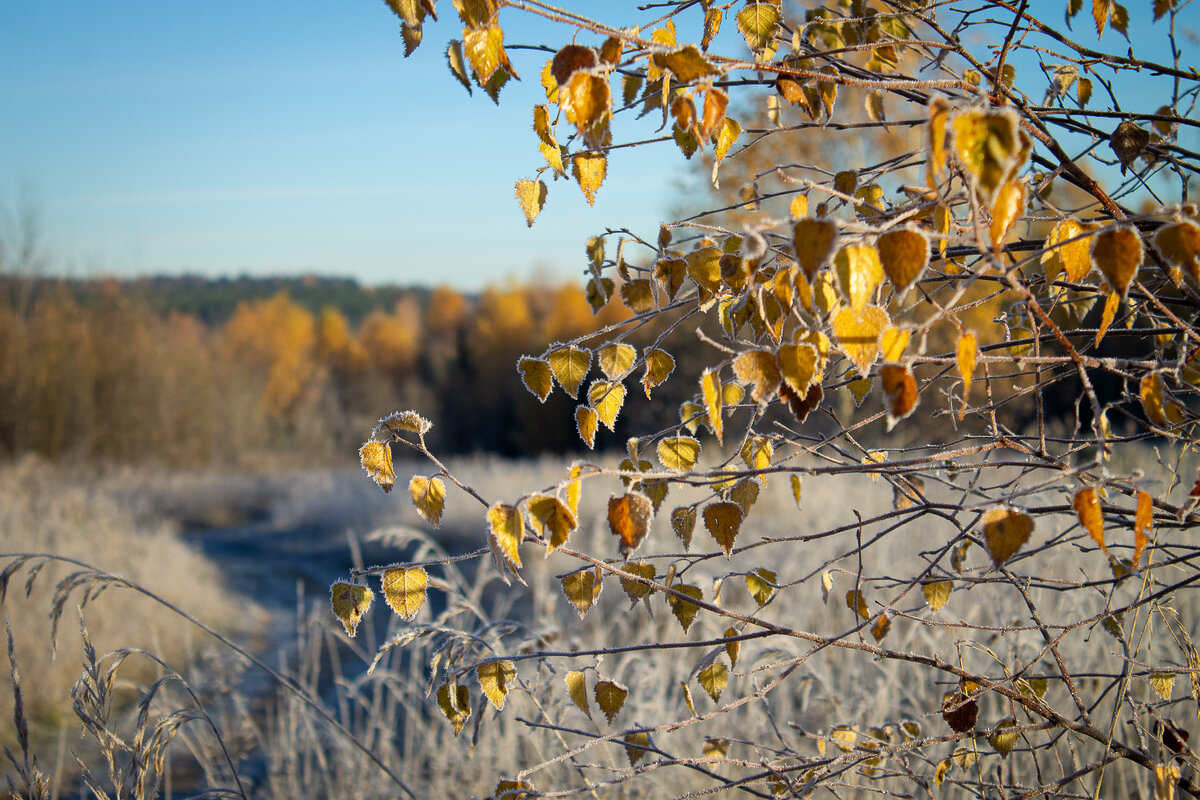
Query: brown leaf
(904, 254)
(1118, 255)
(723, 521)
(629, 518)
(1128, 141)
(899, 392)
(1005, 531)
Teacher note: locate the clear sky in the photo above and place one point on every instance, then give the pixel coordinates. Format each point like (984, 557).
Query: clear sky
(286, 136)
(229, 136)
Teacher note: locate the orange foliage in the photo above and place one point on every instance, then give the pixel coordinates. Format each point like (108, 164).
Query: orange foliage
(280, 336)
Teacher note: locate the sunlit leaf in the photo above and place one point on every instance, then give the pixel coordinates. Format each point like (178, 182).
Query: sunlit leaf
(899, 389)
(610, 696)
(903, 254)
(1007, 208)
(456, 706)
(616, 360)
(577, 690)
(582, 588)
(659, 365)
(376, 458)
(966, 350)
(551, 518)
(429, 498)
(857, 603)
(710, 392)
(629, 518)
(507, 529)
(1001, 740)
(723, 521)
(536, 375)
(607, 397)
(937, 593)
(687, 63)
(531, 196)
(814, 240)
(350, 602)
(404, 590)
(570, 366)
(678, 452)
(494, 678)
(636, 590)
(685, 612)
(683, 522)
(761, 585)
(589, 170)
(858, 335)
(1005, 531)
(713, 679)
(586, 421)
(1087, 507)
(1117, 253)
(1142, 524)
(883, 624)
(1163, 684)
(758, 23)
(757, 368)
(1178, 244)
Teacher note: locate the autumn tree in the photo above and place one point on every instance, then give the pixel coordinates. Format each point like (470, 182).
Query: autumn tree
(982, 307)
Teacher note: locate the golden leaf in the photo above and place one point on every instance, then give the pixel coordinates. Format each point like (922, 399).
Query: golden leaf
(798, 209)
(713, 679)
(617, 359)
(685, 611)
(939, 114)
(569, 60)
(687, 64)
(874, 457)
(494, 678)
(761, 585)
(1163, 684)
(610, 696)
(882, 625)
(376, 458)
(1179, 246)
(757, 451)
(404, 590)
(903, 255)
(1159, 409)
(687, 698)
(796, 488)
(732, 393)
(723, 139)
(1002, 741)
(513, 790)
(1142, 524)
(1005, 532)
(550, 517)
(456, 707)
(636, 590)
(723, 521)
(629, 518)
(587, 102)
(732, 646)
(860, 388)
(536, 375)
(758, 368)
(937, 593)
(814, 240)
(679, 452)
(990, 147)
(507, 529)
(404, 421)
(858, 335)
(429, 497)
(586, 421)
(577, 691)
(570, 365)
(704, 267)
(715, 747)
(710, 392)
(582, 588)
(589, 169)
(607, 398)
(1117, 254)
(893, 342)
(799, 366)
(1087, 507)
(855, 601)
(531, 196)
(1007, 208)
(967, 350)
(659, 365)
(350, 602)
(899, 389)
(858, 271)
(1073, 258)
(683, 522)
(637, 295)
(636, 745)
(745, 494)
(758, 23)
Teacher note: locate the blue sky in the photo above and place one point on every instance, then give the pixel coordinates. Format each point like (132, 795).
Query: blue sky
(265, 137)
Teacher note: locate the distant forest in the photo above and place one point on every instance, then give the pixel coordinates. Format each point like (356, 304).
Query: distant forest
(193, 371)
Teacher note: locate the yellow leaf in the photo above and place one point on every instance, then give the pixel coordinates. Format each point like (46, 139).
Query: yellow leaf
(607, 397)
(582, 588)
(599, 290)
(745, 494)
(796, 487)
(1166, 778)
(937, 593)
(404, 421)
(873, 103)
(758, 23)
(550, 517)
(587, 102)
(636, 590)
(404, 590)
(944, 766)
(1154, 402)
(536, 375)
(799, 365)
(704, 267)
(1007, 208)
(685, 611)
(761, 585)
(1005, 532)
(1002, 741)
(859, 335)
(659, 365)
(967, 350)
(757, 452)
(350, 602)
(715, 747)
(687, 64)
(616, 360)
(589, 169)
(939, 114)
(570, 365)
(758, 368)
(610, 696)
(507, 529)
(513, 790)
(731, 394)
(1073, 258)
(586, 421)
(1117, 254)
(723, 521)
(629, 519)
(679, 452)
(798, 209)
(687, 698)
(893, 342)
(484, 48)
(429, 497)
(857, 603)
(813, 240)
(723, 139)
(858, 271)
(713, 679)
(456, 707)
(531, 196)
(1142, 523)
(683, 522)
(577, 691)
(1087, 507)
(376, 458)
(989, 146)
(1163, 684)
(635, 746)
(710, 392)
(860, 388)
(637, 296)
(903, 255)
(494, 678)
(1179, 245)
(899, 389)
